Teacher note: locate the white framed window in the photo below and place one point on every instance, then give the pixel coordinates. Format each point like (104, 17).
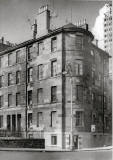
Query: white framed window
(54, 139)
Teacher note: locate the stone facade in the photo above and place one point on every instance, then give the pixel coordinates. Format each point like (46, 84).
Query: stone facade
(59, 71)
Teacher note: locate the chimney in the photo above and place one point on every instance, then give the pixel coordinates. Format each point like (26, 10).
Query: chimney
(34, 29)
(43, 20)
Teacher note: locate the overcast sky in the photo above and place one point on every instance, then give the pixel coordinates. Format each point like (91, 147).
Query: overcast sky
(14, 15)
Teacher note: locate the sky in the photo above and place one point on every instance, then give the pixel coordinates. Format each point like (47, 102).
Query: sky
(14, 15)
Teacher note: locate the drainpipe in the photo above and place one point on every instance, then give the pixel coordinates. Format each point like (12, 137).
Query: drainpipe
(26, 118)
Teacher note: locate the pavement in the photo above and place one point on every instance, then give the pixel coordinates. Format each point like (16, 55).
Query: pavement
(56, 150)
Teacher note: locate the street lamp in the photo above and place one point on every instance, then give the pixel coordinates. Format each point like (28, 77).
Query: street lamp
(71, 138)
(69, 71)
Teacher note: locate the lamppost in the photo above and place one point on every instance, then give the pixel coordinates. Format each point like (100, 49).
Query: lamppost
(69, 71)
(71, 137)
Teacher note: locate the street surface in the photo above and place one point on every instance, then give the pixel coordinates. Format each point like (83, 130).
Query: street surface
(80, 155)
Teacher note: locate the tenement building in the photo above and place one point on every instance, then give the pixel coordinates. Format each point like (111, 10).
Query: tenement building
(54, 87)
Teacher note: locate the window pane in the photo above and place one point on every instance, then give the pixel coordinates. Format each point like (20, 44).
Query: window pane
(17, 77)
(29, 97)
(18, 56)
(10, 79)
(79, 118)
(39, 119)
(53, 118)
(54, 140)
(40, 72)
(1, 121)
(53, 94)
(29, 120)
(1, 101)
(53, 44)
(53, 68)
(30, 74)
(30, 51)
(11, 59)
(17, 99)
(1, 81)
(40, 95)
(9, 100)
(79, 69)
(40, 48)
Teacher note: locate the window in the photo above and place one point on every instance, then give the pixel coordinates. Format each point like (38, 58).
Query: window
(30, 75)
(79, 42)
(18, 56)
(1, 81)
(53, 119)
(30, 50)
(10, 59)
(93, 96)
(79, 118)
(17, 99)
(53, 93)
(40, 48)
(8, 122)
(53, 44)
(40, 71)
(40, 95)
(10, 100)
(79, 69)
(1, 101)
(106, 121)
(79, 92)
(39, 119)
(10, 79)
(29, 120)
(1, 121)
(17, 77)
(92, 52)
(29, 97)
(54, 140)
(53, 68)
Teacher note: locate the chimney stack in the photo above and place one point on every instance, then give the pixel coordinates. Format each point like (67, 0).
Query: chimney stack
(43, 20)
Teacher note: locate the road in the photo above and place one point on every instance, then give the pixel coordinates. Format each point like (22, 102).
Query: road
(80, 155)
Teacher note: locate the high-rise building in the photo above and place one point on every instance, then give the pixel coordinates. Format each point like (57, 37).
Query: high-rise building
(108, 32)
(102, 30)
(53, 87)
